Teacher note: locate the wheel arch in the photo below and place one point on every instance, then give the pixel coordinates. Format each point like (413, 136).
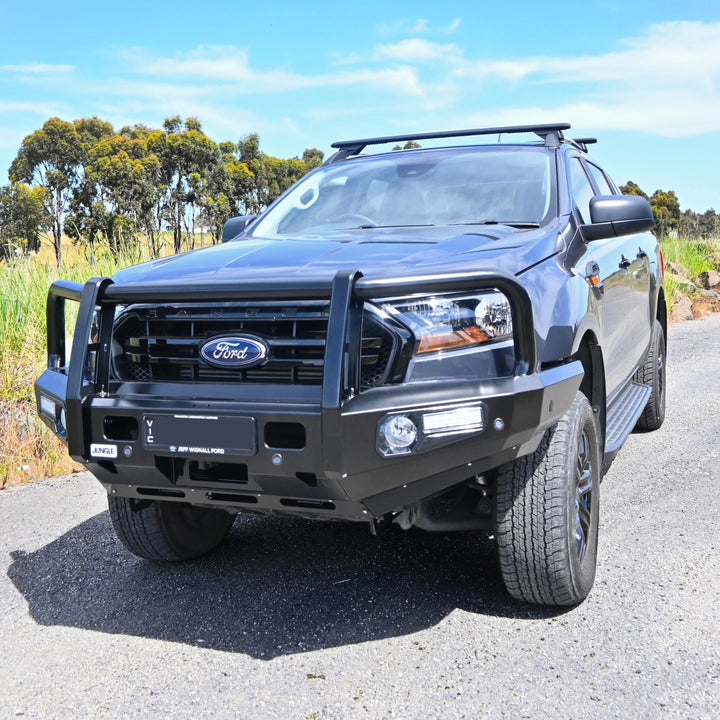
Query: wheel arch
(589, 353)
(661, 310)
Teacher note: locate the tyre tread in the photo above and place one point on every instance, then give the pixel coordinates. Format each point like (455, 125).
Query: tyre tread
(531, 529)
(653, 414)
(139, 529)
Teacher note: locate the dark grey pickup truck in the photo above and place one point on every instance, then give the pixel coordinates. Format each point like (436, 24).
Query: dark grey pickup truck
(445, 338)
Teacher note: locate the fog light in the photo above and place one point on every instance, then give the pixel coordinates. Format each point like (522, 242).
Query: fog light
(397, 435)
(457, 420)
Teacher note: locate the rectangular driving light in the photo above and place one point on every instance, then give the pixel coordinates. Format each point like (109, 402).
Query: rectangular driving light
(54, 414)
(456, 420)
(48, 407)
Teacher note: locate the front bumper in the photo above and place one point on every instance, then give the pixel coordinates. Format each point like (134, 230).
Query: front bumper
(311, 453)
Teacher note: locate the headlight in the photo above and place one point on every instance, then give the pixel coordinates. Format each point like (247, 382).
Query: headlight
(447, 322)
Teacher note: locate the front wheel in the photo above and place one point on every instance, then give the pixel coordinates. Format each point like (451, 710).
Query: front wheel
(167, 531)
(548, 511)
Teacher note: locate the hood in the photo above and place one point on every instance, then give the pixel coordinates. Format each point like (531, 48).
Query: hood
(377, 253)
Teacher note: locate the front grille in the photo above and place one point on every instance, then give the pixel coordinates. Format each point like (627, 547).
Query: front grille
(162, 343)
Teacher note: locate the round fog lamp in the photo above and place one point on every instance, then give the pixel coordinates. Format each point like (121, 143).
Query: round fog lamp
(399, 431)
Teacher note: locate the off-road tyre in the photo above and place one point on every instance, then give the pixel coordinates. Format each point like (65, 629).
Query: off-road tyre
(652, 373)
(548, 510)
(167, 531)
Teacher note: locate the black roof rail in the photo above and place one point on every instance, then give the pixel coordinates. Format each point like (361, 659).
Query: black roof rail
(582, 143)
(552, 134)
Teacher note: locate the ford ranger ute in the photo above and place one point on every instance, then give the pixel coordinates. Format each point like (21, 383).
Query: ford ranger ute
(456, 337)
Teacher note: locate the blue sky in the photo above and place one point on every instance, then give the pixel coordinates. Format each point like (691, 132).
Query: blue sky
(644, 77)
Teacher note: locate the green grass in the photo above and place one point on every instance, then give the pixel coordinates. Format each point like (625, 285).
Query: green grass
(692, 254)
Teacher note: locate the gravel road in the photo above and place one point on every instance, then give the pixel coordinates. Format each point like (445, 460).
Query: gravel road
(291, 619)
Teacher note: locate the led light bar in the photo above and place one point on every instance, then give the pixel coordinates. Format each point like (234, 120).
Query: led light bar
(462, 419)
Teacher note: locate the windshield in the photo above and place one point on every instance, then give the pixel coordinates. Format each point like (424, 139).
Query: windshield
(449, 186)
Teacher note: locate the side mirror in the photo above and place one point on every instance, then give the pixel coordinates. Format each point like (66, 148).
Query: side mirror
(617, 215)
(234, 226)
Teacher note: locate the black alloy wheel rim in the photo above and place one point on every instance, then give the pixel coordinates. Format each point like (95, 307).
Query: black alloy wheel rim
(584, 486)
(660, 374)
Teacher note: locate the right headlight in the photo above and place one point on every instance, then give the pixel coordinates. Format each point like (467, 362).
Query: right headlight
(449, 322)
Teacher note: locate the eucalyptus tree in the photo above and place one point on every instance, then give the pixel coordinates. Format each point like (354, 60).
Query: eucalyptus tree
(23, 218)
(271, 176)
(123, 176)
(51, 158)
(182, 149)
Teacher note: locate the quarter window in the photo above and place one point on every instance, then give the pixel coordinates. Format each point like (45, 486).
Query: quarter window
(600, 179)
(582, 190)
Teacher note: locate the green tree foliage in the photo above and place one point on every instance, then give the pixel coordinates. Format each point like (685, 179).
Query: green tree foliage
(270, 176)
(111, 187)
(187, 157)
(116, 199)
(23, 218)
(666, 209)
(51, 158)
(409, 145)
(312, 157)
(664, 204)
(703, 225)
(630, 188)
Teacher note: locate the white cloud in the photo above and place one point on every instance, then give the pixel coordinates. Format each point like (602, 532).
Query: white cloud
(452, 27)
(670, 52)
(403, 27)
(229, 67)
(419, 26)
(46, 109)
(410, 50)
(37, 69)
(665, 82)
(417, 50)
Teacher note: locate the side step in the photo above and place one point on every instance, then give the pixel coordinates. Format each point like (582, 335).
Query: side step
(622, 414)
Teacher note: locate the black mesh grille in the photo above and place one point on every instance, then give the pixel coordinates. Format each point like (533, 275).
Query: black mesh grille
(162, 343)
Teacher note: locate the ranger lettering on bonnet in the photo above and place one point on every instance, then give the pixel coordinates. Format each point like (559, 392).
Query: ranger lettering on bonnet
(448, 338)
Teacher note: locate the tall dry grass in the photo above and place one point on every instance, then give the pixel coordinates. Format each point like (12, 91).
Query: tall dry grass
(27, 448)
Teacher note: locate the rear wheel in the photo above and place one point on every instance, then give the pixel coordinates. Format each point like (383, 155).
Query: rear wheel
(652, 373)
(167, 531)
(548, 511)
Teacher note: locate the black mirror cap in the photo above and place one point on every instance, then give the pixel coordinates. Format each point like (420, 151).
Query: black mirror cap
(234, 226)
(617, 215)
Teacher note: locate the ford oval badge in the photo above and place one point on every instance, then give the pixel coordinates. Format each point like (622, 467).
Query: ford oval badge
(234, 351)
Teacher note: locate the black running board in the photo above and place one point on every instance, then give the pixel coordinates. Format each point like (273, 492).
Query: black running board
(622, 414)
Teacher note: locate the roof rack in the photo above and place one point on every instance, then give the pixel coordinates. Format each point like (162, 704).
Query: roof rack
(582, 143)
(552, 135)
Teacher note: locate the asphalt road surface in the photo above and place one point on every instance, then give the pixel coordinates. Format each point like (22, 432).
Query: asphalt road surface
(290, 619)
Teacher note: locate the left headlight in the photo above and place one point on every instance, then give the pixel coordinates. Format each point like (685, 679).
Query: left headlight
(449, 322)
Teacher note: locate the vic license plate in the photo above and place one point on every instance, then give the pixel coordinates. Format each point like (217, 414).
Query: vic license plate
(207, 435)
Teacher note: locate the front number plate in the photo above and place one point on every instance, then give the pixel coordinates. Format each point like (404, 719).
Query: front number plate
(207, 435)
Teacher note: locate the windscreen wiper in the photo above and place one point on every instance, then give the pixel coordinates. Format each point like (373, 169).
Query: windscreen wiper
(511, 223)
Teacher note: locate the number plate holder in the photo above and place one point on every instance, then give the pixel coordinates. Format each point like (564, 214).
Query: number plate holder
(203, 435)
